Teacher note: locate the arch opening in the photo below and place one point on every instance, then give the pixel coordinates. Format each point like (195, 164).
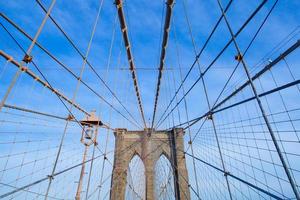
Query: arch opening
(163, 179)
(135, 180)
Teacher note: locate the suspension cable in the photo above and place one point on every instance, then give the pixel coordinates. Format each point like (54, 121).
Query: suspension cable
(33, 111)
(269, 66)
(27, 58)
(170, 4)
(119, 5)
(75, 92)
(87, 61)
(253, 87)
(62, 65)
(212, 63)
(235, 177)
(39, 80)
(185, 107)
(192, 66)
(46, 178)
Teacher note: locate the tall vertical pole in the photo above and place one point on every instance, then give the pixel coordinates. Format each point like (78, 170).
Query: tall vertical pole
(92, 162)
(79, 187)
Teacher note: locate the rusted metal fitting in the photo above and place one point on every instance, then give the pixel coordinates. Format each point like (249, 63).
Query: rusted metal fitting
(23, 68)
(238, 57)
(70, 117)
(10, 58)
(119, 5)
(27, 58)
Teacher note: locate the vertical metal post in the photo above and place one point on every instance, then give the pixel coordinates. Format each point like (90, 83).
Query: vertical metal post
(92, 162)
(79, 187)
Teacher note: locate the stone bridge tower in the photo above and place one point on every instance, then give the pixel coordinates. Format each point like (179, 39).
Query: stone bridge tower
(149, 145)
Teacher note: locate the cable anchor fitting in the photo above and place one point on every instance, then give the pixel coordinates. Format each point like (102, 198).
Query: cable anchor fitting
(226, 173)
(27, 58)
(70, 117)
(104, 156)
(50, 177)
(24, 69)
(210, 116)
(238, 57)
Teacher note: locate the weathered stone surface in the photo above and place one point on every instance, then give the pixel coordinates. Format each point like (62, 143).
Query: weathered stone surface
(149, 145)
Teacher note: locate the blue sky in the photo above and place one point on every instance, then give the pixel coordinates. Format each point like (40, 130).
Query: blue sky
(145, 34)
(145, 22)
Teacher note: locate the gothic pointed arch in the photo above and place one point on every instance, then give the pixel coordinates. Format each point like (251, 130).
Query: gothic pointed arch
(163, 178)
(135, 184)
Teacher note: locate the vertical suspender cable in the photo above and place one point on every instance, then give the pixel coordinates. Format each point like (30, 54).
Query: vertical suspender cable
(207, 100)
(186, 110)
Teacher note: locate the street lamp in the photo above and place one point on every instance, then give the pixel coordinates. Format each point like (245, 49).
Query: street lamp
(89, 134)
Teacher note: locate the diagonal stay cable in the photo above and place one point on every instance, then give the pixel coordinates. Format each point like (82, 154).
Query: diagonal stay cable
(65, 67)
(27, 58)
(74, 96)
(211, 111)
(288, 51)
(46, 83)
(236, 178)
(87, 61)
(33, 111)
(192, 66)
(99, 187)
(46, 178)
(253, 87)
(185, 104)
(258, 8)
(39, 80)
(278, 88)
(29, 191)
(216, 134)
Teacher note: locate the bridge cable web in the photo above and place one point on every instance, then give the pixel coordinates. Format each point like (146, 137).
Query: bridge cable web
(119, 5)
(253, 167)
(88, 63)
(211, 64)
(260, 27)
(67, 69)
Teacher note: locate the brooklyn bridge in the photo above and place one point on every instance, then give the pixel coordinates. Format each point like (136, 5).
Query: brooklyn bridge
(149, 100)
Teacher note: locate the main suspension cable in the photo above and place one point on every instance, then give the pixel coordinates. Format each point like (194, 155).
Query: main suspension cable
(167, 26)
(119, 5)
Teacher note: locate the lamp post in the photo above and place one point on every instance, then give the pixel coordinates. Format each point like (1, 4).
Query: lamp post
(89, 134)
